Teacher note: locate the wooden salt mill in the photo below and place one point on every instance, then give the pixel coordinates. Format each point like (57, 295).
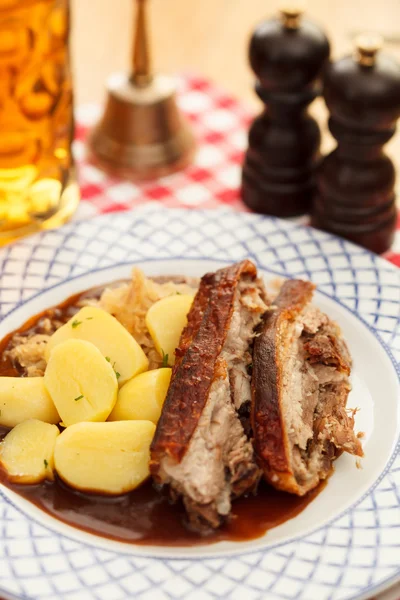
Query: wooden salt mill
(356, 196)
(142, 133)
(287, 55)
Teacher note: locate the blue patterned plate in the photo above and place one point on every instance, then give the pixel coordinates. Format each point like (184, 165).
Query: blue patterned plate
(346, 543)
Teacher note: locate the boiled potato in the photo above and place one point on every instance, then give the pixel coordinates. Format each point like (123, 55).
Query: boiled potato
(81, 383)
(142, 397)
(23, 398)
(27, 452)
(165, 321)
(110, 458)
(97, 326)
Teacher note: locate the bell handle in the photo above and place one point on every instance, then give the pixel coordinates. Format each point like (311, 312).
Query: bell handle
(141, 75)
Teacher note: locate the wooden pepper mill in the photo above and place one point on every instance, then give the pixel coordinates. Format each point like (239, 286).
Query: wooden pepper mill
(355, 196)
(287, 55)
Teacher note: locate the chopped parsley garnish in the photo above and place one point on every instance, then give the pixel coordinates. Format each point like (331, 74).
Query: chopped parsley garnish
(46, 464)
(78, 398)
(164, 359)
(178, 293)
(88, 318)
(117, 375)
(76, 323)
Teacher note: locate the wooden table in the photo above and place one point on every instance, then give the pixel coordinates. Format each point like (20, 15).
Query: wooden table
(210, 37)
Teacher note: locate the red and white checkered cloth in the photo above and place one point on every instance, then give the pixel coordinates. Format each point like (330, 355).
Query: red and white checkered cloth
(220, 124)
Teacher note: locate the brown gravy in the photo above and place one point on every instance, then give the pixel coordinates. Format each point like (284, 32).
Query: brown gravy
(145, 516)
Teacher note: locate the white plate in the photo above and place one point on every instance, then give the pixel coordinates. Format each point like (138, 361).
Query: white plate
(346, 543)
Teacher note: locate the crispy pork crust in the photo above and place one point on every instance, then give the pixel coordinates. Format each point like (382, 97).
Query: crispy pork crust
(270, 439)
(194, 318)
(197, 364)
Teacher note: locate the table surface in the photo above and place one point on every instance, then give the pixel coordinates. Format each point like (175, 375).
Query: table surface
(214, 44)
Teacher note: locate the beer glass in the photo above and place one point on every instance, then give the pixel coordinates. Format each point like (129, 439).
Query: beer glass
(38, 189)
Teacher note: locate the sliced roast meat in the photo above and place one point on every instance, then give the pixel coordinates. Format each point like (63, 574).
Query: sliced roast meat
(200, 448)
(300, 384)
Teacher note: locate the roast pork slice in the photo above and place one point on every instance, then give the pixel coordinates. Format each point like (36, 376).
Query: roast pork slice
(300, 384)
(200, 448)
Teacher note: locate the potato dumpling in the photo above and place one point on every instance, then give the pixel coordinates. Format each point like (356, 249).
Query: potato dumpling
(165, 321)
(81, 383)
(97, 326)
(27, 451)
(23, 398)
(110, 458)
(142, 397)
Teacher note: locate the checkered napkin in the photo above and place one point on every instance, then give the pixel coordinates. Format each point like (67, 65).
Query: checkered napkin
(220, 124)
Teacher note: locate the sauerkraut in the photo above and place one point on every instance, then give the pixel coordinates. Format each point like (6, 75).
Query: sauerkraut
(128, 302)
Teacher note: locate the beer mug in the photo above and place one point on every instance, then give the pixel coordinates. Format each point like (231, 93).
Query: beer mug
(38, 189)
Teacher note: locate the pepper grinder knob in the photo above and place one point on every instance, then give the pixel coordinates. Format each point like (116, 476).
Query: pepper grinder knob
(367, 47)
(291, 15)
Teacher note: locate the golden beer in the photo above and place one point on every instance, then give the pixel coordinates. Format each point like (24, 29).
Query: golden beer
(37, 180)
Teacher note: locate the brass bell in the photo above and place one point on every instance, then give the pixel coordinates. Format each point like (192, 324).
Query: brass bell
(142, 133)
